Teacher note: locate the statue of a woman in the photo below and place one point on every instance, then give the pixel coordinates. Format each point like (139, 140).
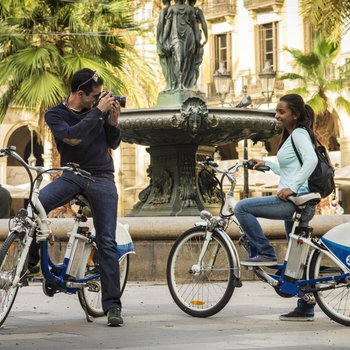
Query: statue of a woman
(198, 55)
(163, 47)
(182, 31)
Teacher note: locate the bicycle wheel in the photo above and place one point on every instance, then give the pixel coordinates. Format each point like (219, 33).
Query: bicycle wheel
(200, 291)
(334, 301)
(10, 254)
(91, 294)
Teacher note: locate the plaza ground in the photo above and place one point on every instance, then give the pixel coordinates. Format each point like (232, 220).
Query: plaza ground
(153, 321)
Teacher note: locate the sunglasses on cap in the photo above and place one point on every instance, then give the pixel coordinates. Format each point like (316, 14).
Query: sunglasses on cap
(94, 77)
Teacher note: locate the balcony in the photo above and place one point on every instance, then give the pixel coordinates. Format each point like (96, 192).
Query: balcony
(215, 11)
(263, 5)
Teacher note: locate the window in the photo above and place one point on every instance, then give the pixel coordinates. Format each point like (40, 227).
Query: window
(266, 45)
(222, 50)
(309, 36)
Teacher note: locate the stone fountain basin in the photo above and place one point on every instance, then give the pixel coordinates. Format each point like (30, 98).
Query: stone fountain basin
(212, 126)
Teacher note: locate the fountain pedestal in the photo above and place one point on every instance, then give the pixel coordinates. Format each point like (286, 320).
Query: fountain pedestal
(177, 185)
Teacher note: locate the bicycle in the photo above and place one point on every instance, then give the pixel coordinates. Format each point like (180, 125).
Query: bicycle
(78, 273)
(203, 267)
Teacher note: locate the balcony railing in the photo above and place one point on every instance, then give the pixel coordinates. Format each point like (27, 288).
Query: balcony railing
(214, 11)
(262, 5)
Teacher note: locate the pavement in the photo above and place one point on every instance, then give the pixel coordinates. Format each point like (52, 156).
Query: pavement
(153, 321)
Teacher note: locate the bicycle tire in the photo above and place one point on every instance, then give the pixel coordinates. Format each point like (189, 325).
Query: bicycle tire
(335, 303)
(205, 293)
(10, 253)
(92, 299)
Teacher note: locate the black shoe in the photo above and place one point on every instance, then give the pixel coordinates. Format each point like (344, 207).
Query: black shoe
(303, 312)
(114, 317)
(297, 315)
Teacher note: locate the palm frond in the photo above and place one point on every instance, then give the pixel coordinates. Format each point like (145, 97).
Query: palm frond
(302, 91)
(307, 61)
(342, 102)
(317, 103)
(43, 88)
(291, 76)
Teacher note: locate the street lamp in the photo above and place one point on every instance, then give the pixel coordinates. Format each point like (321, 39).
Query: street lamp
(267, 77)
(222, 81)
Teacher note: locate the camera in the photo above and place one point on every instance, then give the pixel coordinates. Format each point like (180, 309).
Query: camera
(120, 99)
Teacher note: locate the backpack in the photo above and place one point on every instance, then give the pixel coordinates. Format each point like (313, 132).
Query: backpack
(322, 179)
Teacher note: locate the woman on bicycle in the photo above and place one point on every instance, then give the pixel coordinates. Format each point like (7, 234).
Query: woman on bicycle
(295, 118)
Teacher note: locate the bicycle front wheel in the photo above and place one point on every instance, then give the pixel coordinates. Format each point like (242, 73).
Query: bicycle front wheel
(333, 297)
(204, 290)
(90, 296)
(10, 254)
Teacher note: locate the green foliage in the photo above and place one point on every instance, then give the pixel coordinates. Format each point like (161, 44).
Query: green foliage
(42, 43)
(329, 17)
(319, 84)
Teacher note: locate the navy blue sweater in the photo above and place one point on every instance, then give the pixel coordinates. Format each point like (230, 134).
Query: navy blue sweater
(97, 138)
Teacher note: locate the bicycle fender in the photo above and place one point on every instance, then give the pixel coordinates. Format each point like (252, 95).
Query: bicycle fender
(233, 251)
(338, 242)
(124, 242)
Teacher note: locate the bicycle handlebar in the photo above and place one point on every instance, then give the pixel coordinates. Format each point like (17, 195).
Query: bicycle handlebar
(72, 167)
(245, 164)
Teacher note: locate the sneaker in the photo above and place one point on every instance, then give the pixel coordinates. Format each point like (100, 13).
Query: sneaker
(259, 260)
(303, 312)
(297, 315)
(114, 317)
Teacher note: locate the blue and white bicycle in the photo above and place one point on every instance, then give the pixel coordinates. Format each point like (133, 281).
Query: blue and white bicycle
(204, 268)
(79, 270)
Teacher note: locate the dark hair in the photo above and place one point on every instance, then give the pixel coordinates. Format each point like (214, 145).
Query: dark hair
(304, 113)
(83, 80)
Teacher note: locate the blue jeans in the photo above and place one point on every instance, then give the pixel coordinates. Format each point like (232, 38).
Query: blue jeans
(271, 207)
(103, 198)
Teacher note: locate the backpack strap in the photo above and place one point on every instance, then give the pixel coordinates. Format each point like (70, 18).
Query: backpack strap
(295, 150)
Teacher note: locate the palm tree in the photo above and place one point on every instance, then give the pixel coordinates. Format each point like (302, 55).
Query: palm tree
(330, 17)
(321, 89)
(42, 43)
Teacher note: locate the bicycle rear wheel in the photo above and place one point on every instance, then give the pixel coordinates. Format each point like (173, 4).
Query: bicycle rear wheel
(200, 291)
(335, 300)
(91, 294)
(10, 254)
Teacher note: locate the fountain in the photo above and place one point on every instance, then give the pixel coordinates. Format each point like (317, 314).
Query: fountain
(182, 130)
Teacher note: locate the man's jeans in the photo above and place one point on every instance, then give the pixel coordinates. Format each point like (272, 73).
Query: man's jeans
(103, 199)
(271, 207)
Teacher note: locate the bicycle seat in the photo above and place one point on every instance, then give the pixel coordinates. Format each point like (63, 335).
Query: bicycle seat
(81, 199)
(308, 198)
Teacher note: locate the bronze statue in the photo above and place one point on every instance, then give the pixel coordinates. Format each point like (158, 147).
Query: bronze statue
(198, 56)
(181, 32)
(163, 47)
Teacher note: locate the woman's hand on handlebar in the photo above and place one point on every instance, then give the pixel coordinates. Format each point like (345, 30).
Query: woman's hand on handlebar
(256, 163)
(284, 193)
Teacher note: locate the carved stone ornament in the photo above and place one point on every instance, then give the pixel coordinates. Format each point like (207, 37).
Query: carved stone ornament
(194, 116)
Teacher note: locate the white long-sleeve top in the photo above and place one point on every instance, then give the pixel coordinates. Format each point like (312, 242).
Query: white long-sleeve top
(292, 174)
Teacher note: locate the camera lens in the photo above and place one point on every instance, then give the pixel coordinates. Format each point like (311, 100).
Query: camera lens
(121, 100)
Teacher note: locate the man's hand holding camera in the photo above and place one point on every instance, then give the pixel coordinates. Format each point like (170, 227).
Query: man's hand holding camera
(108, 104)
